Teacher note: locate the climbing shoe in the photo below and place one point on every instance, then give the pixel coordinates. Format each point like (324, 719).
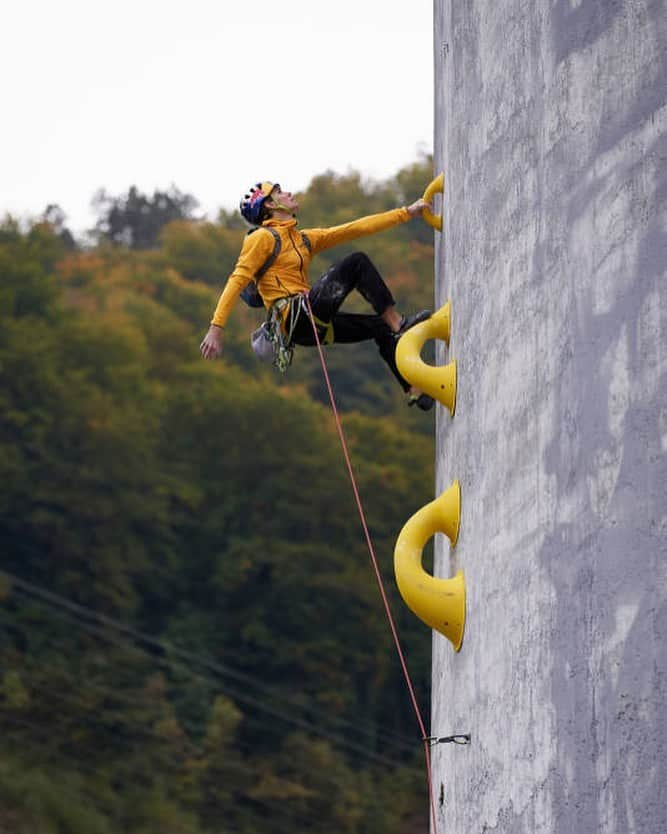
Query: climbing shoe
(409, 321)
(422, 401)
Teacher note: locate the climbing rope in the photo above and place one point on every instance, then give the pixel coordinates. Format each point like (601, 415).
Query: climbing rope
(378, 576)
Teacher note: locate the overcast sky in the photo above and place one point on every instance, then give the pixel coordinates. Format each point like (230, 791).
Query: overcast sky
(208, 95)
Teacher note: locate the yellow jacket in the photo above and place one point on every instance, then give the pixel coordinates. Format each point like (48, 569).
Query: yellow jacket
(288, 274)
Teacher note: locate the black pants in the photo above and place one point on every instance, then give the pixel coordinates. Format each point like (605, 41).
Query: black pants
(354, 272)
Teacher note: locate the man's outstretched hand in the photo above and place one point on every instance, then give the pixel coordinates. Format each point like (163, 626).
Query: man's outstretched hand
(418, 207)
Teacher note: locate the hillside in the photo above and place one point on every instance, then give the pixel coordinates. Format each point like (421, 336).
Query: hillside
(191, 637)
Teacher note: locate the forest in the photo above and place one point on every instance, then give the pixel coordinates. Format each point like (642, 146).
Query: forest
(192, 640)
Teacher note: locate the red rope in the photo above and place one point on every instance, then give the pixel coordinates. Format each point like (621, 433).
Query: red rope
(374, 560)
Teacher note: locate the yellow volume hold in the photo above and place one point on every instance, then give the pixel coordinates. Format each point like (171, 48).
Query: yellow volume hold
(440, 603)
(437, 381)
(437, 186)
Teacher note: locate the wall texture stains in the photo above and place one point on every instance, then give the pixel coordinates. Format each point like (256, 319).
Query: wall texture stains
(551, 120)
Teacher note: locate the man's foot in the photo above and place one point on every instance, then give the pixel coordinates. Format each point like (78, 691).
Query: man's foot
(409, 321)
(422, 401)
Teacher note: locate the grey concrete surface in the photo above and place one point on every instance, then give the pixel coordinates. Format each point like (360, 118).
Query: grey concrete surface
(550, 127)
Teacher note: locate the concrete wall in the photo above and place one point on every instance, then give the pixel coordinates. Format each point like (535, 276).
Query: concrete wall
(550, 127)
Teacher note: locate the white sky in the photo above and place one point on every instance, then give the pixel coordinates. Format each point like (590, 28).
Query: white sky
(210, 95)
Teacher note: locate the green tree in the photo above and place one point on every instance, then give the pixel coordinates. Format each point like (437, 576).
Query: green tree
(135, 220)
(194, 601)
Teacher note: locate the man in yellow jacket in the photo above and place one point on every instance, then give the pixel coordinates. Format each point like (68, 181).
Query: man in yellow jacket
(286, 279)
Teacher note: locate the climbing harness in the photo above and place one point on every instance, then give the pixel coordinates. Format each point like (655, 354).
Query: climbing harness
(426, 739)
(272, 343)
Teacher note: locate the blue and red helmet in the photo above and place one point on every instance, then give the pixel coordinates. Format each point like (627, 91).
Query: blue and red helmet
(252, 204)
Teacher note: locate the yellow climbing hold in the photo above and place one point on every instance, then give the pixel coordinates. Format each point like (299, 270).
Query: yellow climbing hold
(440, 603)
(438, 381)
(435, 187)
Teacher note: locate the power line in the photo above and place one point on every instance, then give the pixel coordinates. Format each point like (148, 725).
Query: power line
(141, 730)
(175, 654)
(68, 697)
(372, 730)
(101, 633)
(390, 737)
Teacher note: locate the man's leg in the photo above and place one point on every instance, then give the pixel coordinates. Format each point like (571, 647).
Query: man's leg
(354, 272)
(349, 328)
(352, 327)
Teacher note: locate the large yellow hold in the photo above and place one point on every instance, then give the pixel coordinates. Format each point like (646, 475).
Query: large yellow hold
(438, 381)
(440, 603)
(435, 187)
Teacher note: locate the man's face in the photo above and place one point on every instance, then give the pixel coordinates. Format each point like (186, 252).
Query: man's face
(284, 199)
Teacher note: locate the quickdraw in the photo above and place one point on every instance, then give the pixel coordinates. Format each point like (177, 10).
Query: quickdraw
(273, 343)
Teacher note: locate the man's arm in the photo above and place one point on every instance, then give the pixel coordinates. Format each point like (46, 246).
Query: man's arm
(326, 238)
(255, 251)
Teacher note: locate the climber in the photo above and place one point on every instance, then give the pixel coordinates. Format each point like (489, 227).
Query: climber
(277, 256)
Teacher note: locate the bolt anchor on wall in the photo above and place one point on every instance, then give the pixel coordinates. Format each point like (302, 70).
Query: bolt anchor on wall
(459, 738)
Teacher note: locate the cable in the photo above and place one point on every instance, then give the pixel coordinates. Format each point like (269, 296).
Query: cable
(144, 731)
(114, 695)
(172, 652)
(370, 729)
(248, 719)
(374, 561)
